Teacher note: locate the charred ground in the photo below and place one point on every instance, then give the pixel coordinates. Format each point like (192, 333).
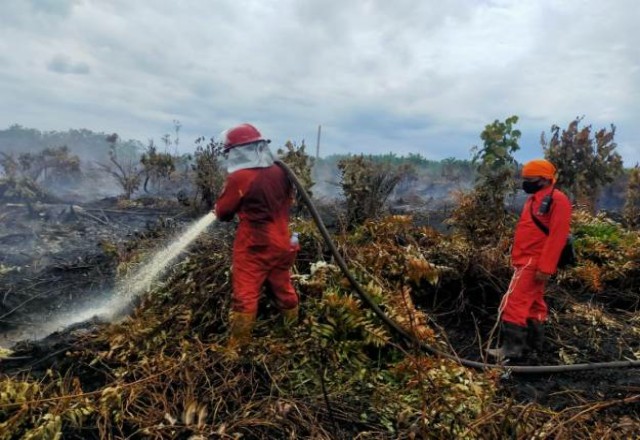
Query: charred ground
(164, 372)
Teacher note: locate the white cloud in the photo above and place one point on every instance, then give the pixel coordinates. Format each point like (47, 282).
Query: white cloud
(409, 75)
(63, 64)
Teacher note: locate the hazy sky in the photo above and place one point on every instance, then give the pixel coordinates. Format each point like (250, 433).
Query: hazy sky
(422, 76)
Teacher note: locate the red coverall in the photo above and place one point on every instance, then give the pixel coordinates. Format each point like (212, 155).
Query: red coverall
(534, 251)
(262, 250)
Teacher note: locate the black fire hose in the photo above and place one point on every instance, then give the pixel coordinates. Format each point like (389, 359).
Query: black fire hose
(395, 327)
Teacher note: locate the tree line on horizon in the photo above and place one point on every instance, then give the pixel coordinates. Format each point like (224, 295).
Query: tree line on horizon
(588, 162)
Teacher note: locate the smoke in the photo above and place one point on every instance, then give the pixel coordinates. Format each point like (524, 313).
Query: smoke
(426, 186)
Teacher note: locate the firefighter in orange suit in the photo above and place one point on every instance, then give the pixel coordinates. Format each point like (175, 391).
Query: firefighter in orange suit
(535, 257)
(260, 193)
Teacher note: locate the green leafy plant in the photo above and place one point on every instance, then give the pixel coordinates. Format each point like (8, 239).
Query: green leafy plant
(481, 215)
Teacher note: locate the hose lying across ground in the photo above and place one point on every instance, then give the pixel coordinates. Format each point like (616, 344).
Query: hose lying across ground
(395, 327)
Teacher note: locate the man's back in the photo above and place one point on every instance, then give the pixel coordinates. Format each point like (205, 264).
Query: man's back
(261, 197)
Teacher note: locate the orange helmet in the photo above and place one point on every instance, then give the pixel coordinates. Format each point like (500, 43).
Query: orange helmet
(241, 135)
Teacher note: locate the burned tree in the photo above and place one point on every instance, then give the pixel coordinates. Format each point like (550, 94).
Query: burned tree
(123, 166)
(9, 165)
(208, 172)
(12, 186)
(301, 163)
(156, 166)
(631, 210)
(585, 163)
(52, 165)
(367, 185)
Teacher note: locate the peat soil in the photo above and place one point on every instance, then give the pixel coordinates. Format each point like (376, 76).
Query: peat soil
(580, 329)
(56, 258)
(57, 261)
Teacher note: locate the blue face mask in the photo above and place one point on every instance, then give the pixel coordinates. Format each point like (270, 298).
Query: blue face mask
(531, 187)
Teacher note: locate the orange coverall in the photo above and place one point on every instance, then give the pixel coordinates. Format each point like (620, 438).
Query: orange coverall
(262, 250)
(534, 251)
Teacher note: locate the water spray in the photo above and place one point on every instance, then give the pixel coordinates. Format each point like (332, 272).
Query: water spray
(117, 304)
(143, 277)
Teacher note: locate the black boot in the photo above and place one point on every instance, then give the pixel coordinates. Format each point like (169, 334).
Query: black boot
(513, 342)
(535, 335)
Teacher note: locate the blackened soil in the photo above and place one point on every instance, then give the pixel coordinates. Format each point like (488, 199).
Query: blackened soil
(55, 258)
(579, 330)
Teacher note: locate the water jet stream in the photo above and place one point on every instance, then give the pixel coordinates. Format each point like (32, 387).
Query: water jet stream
(142, 278)
(111, 306)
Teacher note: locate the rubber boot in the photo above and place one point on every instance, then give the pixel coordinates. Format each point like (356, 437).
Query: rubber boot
(513, 342)
(240, 327)
(289, 317)
(535, 335)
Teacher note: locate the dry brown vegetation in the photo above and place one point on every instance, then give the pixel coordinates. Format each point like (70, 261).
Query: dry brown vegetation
(164, 372)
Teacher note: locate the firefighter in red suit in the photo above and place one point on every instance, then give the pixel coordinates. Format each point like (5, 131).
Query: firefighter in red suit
(260, 194)
(535, 257)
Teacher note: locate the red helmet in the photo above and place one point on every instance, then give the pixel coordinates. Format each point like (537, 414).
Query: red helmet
(241, 135)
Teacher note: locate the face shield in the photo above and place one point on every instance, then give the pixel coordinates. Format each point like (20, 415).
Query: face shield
(254, 155)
